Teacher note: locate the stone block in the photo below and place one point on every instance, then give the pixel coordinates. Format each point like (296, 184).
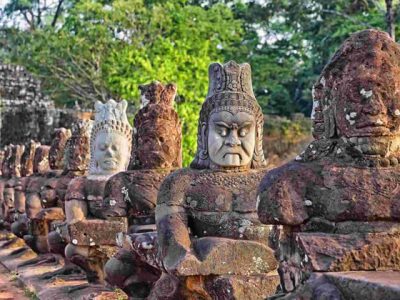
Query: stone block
(96, 232)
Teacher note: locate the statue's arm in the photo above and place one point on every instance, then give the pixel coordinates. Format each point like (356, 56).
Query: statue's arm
(281, 195)
(76, 206)
(172, 226)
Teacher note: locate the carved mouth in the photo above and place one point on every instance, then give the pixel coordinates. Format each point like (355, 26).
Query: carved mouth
(378, 123)
(233, 153)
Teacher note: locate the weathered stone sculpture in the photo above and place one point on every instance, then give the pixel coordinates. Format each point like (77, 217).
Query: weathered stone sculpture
(35, 182)
(338, 202)
(211, 244)
(5, 170)
(2, 155)
(56, 154)
(71, 153)
(110, 151)
(156, 152)
(55, 161)
(19, 227)
(14, 165)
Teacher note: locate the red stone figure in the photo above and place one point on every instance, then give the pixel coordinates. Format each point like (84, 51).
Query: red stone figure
(338, 201)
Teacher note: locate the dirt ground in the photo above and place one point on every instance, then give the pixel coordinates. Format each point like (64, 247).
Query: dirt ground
(9, 287)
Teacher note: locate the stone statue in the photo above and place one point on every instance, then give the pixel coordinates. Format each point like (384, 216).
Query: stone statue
(48, 222)
(19, 227)
(56, 154)
(156, 152)
(110, 145)
(35, 182)
(37, 241)
(5, 176)
(14, 165)
(338, 201)
(210, 241)
(72, 154)
(2, 154)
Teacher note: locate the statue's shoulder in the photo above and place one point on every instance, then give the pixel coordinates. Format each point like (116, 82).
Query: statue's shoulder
(175, 185)
(76, 189)
(292, 172)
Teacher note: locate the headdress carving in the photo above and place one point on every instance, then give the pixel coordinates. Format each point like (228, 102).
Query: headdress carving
(77, 148)
(111, 118)
(6, 172)
(15, 160)
(1, 161)
(230, 88)
(157, 135)
(41, 160)
(28, 157)
(56, 154)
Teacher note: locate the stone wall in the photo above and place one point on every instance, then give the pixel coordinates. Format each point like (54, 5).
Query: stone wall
(25, 113)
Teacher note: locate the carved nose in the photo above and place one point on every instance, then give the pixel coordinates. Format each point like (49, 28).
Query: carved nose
(109, 152)
(374, 106)
(233, 140)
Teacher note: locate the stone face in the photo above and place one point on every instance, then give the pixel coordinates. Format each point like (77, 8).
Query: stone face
(230, 90)
(56, 153)
(41, 160)
(15, 160)
(110, 143)
(110, 139)
(156, 142)
(338, 200)
(28, 157)
(207, 224)
(156, 151)
(27, 113)
(77, 148)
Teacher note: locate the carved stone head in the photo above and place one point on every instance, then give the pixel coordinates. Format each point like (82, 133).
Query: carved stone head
(15, 160)
(41, 160)
(56, 154)
(110, 141)
(231, 121)
(158, 132)
(1, 161)
(357, 97)
(27, 158)
(77, 149)
(6, 172)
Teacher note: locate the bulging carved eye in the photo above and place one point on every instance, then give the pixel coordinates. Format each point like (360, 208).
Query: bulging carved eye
(243, 132)
(223, 132)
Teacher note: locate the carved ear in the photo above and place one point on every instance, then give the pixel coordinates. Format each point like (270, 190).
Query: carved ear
(204, 135)
(98, 105)
(124, 105)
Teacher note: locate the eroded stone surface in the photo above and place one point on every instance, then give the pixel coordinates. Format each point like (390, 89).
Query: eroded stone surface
(156, 152)
(207, 217)
(342, 191)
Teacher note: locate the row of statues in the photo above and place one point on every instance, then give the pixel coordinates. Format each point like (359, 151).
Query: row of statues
(115, 200)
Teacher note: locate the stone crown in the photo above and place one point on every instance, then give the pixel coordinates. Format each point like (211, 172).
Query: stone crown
(230, 78)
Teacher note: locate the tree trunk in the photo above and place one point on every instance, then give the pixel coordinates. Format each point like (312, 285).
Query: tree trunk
(390, 19)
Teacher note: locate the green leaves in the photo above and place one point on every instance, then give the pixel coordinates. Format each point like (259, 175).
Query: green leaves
(107, 48)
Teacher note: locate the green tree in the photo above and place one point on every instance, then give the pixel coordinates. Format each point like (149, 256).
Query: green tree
(105, 49)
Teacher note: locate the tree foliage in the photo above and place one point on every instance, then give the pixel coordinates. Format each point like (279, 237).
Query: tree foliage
(96, 49)
(105, 49)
